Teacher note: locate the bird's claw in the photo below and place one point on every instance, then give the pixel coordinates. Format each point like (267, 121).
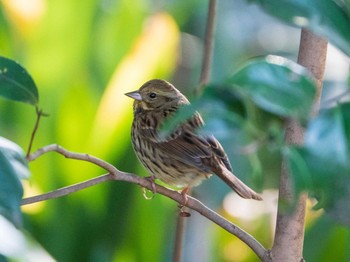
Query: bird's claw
(153, 188)
(182, 206)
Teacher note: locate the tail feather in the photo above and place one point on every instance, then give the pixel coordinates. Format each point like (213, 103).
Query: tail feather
(237, 185)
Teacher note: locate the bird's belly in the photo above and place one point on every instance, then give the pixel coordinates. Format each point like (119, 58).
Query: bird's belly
(169, 170)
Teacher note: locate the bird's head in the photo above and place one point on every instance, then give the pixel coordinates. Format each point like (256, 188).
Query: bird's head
(157, 94)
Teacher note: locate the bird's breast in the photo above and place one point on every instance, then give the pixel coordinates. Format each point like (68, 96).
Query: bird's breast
(162, 165)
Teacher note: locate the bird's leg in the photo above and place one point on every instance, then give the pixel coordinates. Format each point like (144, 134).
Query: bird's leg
(151, 178)
(184, 194)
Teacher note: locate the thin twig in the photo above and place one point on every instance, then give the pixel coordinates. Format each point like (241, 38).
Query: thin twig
(39, 114)
(67, 190)
(115, 174)
(208, 45)
(78, 156)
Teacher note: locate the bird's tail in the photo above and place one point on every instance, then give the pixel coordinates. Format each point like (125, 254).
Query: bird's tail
(237, 185)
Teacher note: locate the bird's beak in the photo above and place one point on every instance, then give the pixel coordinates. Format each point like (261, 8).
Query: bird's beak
(135, 95)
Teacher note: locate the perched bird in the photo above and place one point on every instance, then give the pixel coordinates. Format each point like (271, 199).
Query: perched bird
(185, 157)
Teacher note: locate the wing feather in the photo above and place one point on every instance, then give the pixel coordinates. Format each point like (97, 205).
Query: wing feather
(189, 147)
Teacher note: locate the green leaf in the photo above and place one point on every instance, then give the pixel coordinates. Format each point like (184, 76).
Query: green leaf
(322, 165)
(16, 84)
(328, 135)
(296, 163)
(341, 209)
(325, 179)
(184, 113)
(326, 241)
(277, 85)
(327, 143)
(328, 18)
(13, 166)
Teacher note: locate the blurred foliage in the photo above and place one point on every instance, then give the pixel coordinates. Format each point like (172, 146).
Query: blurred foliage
(277, 85)
(13, 166)
(322, 164)
(84, 55)
(328, 18)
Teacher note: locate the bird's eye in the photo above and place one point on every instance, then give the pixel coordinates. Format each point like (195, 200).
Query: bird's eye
(152, 95)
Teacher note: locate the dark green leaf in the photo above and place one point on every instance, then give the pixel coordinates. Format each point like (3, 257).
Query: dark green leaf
(3, 259)
(16, 84)
(328, 18)
(277, 85)
(13, 166)
(327, 142)
(323, 178)
(340, 210)
(322, 165)
(326, 240)
(328, 135)
(298, 167)
(184, 113)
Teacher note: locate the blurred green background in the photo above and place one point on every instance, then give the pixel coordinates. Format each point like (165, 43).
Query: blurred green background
(83, 56)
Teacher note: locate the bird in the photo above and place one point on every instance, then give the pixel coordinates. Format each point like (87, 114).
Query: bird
(184, 158)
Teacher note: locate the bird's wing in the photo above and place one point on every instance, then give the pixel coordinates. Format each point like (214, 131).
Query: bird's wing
(187, 146)
(194, 149)
(202, 152)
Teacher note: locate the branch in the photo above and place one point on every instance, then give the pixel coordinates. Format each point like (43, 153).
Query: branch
(115, 174)
(179, 238)
(289, 234)
(208, 45)
(67, 190)
(39, 114)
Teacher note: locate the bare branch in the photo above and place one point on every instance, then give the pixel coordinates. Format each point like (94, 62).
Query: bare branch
(115, 174)
(289, 234)
(39, 114)
(78, 156)
(67, 190)
(208, 45)
(179, 237)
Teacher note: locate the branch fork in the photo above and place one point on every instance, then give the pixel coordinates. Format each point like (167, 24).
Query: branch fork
(117, 175)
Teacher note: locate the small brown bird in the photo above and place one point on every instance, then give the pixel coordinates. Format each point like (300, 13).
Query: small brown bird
(184, 158)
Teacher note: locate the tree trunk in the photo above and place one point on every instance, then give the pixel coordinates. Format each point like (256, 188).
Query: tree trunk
(289, 235)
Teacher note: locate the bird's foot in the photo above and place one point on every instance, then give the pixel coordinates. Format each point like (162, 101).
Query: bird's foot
(182, 206)
(184, 193)
(153, 188)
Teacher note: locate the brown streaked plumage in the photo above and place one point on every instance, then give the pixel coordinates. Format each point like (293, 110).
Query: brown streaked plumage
(185, 158)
